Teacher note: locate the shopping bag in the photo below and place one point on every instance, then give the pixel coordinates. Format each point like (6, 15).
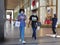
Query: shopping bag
(38, 23)
(17, 24)
(38, 27)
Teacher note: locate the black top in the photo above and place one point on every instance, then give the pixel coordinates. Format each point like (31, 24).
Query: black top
(34, 19)
(54, 21)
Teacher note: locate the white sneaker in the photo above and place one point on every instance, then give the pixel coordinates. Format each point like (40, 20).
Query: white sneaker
(23, 42)
(19, 39)
(56, 36)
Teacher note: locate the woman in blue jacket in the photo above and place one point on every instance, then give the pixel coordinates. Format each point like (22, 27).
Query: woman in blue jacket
(22, 18)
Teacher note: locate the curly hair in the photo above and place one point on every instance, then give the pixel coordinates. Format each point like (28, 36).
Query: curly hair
(21, 10)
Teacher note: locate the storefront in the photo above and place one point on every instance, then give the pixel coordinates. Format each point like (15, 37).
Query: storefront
(47, 10)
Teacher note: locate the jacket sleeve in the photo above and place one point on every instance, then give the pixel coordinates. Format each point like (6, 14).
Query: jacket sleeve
(18, 17)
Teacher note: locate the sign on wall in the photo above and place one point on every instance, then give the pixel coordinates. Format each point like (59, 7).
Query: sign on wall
(34, 4)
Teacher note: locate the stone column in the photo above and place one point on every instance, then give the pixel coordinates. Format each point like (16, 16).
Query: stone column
(2, 19)
(58, 10)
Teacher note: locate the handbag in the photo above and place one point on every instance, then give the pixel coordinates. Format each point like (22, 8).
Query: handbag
(17, 24)
(38, 23)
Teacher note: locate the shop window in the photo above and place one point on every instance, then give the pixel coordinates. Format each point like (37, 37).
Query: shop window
(42, 14)
(47, 10)
(43, 2)
(54, 2)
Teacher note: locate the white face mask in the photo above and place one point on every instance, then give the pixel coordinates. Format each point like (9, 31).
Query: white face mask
(22, 12)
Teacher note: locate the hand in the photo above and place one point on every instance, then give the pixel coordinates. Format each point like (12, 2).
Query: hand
(56, 26)
(29, 23)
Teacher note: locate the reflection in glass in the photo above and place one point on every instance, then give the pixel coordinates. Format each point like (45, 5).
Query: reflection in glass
(43, 2)
(42, 14)
(54, 2)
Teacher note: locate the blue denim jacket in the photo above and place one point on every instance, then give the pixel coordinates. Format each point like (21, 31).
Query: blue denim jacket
(22, 18)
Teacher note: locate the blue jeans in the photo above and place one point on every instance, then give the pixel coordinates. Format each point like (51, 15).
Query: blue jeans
(22, 28)
(34, 32)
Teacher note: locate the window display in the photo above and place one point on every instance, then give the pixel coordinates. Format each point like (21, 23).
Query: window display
(47, 10)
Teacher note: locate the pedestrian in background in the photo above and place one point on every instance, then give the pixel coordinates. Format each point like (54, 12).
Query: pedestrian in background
(54, 24)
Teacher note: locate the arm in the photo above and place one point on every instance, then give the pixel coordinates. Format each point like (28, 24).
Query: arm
(29, 21)
(25, 17)
(56, 23)
(18, 17)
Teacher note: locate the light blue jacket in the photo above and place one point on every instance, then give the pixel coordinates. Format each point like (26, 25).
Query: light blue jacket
(22, 18)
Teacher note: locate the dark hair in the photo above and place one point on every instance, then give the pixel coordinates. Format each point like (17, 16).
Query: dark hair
(34, 10)
(21, 10)
(55, 15)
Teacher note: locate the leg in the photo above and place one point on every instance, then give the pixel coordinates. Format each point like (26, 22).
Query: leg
(54, 31)
(34, 33)
(22, 33)
(10, 21)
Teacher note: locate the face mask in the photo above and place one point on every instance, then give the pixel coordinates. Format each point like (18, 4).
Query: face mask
(34, 13)
(22, 12)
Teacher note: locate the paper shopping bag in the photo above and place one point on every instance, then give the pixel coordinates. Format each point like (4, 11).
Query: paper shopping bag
(38, 28)
(17, 24)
